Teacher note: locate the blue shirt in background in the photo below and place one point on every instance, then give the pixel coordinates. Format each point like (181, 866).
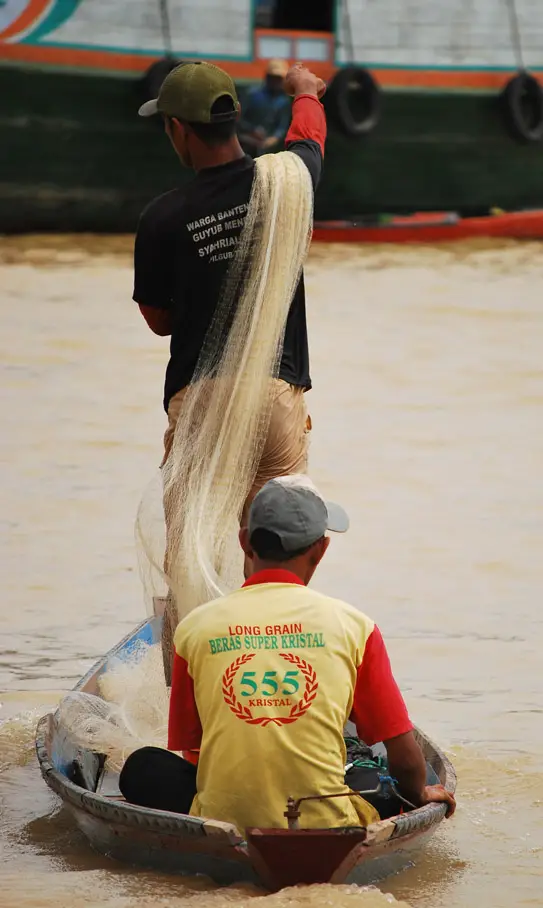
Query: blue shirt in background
(270, 111)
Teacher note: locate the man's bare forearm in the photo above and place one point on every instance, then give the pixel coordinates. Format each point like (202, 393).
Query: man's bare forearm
(406, 764)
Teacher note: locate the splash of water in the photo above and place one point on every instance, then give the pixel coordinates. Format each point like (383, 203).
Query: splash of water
(17, 739)
(136, 891)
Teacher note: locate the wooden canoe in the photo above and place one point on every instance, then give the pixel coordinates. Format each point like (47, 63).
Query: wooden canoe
(193, 845)
(432, 227)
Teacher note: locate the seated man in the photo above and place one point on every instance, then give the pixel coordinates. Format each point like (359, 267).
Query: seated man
(264, 680)
(266, 114)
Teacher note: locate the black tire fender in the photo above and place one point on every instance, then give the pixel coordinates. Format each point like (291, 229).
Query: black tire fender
(522, 107)
(354, 99)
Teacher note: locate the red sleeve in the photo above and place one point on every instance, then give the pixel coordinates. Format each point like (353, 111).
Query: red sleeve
(184, 726)
(379, 711)
(308, 121)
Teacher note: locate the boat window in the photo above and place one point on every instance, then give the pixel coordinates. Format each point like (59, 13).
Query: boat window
(301, 15)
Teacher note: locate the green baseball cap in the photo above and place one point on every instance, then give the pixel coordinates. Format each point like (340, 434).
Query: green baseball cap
(189, 92)
(293, 508)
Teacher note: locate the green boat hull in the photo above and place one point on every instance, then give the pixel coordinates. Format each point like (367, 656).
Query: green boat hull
(74, 156)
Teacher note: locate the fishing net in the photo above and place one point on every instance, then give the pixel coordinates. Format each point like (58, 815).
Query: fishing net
(226, 409)
(130, 711)
(188, 521)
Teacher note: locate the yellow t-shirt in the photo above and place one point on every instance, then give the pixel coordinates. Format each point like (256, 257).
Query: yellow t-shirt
(264, 680)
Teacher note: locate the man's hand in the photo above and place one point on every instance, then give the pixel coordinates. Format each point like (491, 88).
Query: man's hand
(436, 793)
(406, 763)
(301, 81)
(270, 142)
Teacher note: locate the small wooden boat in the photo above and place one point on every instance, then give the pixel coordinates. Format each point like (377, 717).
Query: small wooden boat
(172, 842)
(432, 227)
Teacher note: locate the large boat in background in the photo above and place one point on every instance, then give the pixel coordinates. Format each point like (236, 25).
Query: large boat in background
(433, 105)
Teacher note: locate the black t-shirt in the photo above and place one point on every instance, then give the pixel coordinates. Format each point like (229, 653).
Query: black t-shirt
(184, 245)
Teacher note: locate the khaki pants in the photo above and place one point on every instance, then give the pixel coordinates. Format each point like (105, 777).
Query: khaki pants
(285, 452)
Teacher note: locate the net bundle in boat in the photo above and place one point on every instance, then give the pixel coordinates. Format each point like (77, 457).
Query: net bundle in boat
(131, 710)
(226, 409)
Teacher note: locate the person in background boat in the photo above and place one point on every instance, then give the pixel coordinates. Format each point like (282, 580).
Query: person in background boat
(264, 681)
(265, 117)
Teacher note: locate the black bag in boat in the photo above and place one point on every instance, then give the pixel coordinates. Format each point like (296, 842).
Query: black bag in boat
(363, 774)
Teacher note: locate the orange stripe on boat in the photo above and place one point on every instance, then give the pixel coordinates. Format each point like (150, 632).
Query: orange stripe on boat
(127, 62)
(75, 57)
(250, 70)
(30, 14)
(448, 79)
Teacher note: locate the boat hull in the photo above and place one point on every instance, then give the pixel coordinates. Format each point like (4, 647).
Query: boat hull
(135, 839)
(178, 855)
(74, 156)
(520, 225)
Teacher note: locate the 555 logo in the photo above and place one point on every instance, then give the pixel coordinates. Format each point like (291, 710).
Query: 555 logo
(272, 684)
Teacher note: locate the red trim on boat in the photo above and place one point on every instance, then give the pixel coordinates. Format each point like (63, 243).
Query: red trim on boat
(433, 227)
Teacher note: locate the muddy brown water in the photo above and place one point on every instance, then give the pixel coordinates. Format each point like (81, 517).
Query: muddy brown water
(428, 424)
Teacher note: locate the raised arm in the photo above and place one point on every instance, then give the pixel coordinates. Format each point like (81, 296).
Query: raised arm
(306, 136)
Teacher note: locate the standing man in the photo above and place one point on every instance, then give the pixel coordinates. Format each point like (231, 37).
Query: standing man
(266, 115)
(186, 240)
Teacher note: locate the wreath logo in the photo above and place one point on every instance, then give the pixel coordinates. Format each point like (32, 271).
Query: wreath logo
(297, 711)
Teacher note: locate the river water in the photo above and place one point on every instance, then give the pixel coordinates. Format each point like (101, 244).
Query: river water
(428, 424)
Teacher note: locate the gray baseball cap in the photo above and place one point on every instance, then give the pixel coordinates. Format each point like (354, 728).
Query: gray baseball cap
(293, 508)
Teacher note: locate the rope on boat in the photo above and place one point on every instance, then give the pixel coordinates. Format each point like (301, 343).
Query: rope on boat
(363, 756)
(347, 31)
(364, 759)
(515, 33)
(165, 23)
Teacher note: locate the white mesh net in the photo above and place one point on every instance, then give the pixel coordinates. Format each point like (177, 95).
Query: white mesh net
(131, 710)
(225, 412)
(150, 536)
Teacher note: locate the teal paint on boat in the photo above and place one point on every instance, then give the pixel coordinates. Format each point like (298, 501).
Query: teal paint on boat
(60, 12)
